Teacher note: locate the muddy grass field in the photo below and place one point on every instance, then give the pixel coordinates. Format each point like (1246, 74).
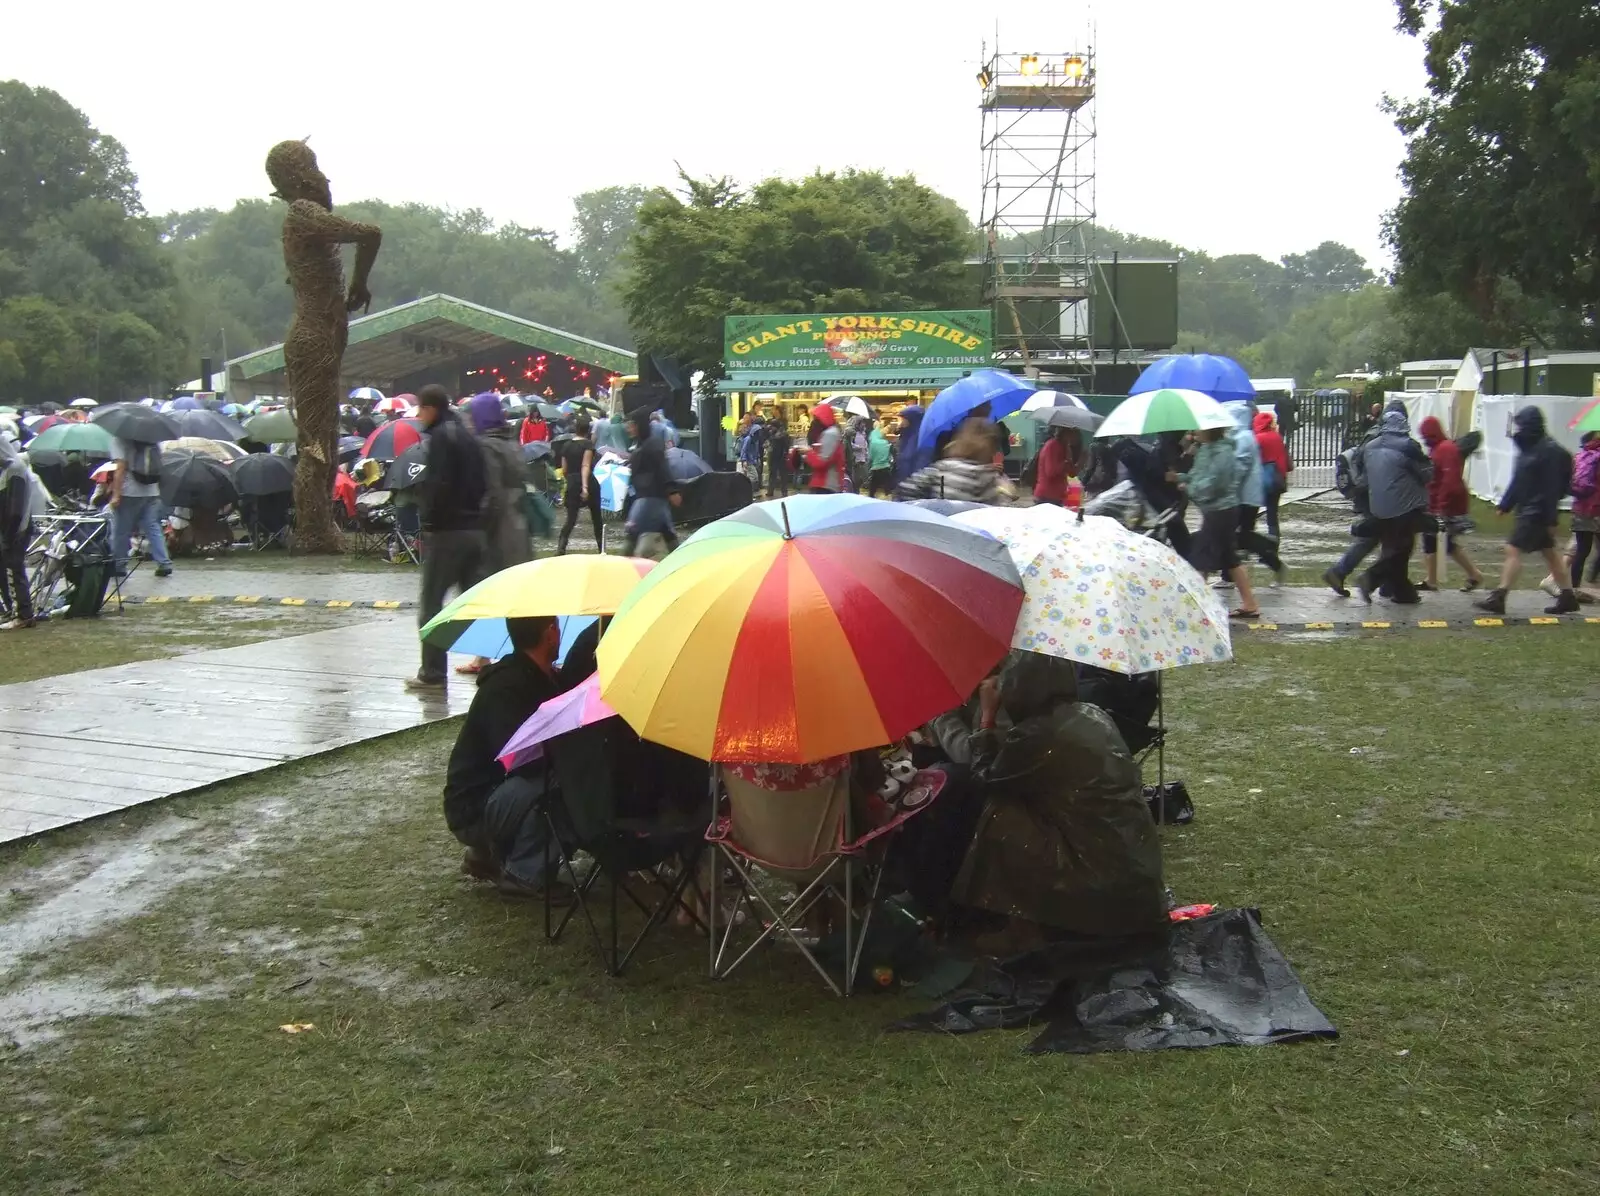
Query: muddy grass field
(1410, 814)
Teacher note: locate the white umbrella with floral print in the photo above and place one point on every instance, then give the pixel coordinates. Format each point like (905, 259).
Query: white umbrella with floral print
(1096, 593)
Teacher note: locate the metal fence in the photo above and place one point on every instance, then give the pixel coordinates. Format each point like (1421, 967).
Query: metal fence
(1322, 429)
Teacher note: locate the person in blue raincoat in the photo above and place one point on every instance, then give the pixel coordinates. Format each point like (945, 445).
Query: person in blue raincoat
(908, 458)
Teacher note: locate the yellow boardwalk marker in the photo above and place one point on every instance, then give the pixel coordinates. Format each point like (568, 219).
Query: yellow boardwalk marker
(1543, 621)
(385, 606)
(1376, 623)
(291, 601)
(1488, 622)
(336, 604)
(157, 599)
(1591, 619)
(1262, 626)
(1432, 623)
(247, 598)
(1319, 626)
(202, 598)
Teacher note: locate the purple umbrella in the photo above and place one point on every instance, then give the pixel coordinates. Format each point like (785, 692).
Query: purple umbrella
(576, 708)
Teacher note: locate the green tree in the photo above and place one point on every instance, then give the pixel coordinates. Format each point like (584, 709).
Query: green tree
(51, 159)
(39, 336)
(231, 267)
(1502, 165)
(602, 225)
(1329, 267)
(842, 242)
(80, 264)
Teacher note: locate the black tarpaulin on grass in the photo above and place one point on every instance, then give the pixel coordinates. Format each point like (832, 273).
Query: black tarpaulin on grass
(1213, 981)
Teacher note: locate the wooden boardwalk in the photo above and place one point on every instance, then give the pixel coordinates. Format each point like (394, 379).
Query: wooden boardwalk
(86, 744)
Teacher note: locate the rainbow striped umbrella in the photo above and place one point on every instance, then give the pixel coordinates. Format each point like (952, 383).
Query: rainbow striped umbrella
(801, 628)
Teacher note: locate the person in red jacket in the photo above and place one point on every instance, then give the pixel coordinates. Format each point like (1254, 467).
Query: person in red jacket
(826, 456)
(1447, 503)
(1058, 461)
(1274, 481)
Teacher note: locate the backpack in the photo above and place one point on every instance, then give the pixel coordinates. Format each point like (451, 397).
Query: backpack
(1585, 475)
(144, 463)
(1350, 473)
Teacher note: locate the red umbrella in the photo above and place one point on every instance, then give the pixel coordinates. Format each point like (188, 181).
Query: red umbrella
(392, 439)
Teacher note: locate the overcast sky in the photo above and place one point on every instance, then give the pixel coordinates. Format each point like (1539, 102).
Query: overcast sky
(1240, 126)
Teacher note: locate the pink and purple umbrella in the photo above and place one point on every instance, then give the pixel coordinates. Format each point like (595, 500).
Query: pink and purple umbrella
(574, 709)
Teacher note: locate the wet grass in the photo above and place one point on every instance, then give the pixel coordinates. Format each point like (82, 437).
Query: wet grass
(1410, 815)
(1315, 534)
(142, 632)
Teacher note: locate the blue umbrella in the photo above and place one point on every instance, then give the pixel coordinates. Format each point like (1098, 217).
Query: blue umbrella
(1222, 378)
(535, 450)
(491, 639)
(187, 403)
(366, 394)
(1003, 392)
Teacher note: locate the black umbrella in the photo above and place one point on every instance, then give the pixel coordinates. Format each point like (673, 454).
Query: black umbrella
(534, 450)
(261, 474)
(141, 425)
(685, 466)
(48, 408)
(1068, 417)
(195, 481)
(406, 470)
(208, 425)
(59, 473)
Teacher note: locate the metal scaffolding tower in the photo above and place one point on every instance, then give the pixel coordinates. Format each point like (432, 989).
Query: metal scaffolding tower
(1038, 211)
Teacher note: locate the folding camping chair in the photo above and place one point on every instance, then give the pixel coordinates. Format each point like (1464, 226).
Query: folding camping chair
(70, 566)
(806, 839)
(266, 520)
(627, 804)
(384, 530)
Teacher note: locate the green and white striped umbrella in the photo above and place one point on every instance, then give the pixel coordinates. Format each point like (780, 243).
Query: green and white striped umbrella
(1165, 411)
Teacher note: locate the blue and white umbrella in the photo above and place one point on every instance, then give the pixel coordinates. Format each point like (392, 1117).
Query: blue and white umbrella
(366, 394)
(491, 639)
(613, 478)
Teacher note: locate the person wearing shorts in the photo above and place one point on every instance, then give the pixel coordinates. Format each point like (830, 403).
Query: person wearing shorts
(1540, 481)
(1212, 484)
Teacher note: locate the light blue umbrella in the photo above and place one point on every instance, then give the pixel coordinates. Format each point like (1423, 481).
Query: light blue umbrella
(1003, 392)
(490, 638)
(1222, 378)
(613, 478)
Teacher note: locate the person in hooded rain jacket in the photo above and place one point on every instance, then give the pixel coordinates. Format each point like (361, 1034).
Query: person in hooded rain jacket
(1448, 504)
(1064, 838)
(1275, 466)
(908, 455)
(1212, 484)
(1252, 494)
(1397, 496)
(1585, 507)
(1540, 480)
(828, 457)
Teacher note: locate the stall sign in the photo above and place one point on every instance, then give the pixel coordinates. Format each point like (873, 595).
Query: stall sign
(889, 341)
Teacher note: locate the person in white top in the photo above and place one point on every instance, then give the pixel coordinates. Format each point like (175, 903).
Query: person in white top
(136, 503)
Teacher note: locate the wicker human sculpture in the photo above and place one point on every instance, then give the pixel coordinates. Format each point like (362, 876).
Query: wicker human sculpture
(314, 348)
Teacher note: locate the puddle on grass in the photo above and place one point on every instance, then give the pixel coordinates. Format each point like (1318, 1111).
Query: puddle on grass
(34, 1014)
(109, 881)
(88, 889)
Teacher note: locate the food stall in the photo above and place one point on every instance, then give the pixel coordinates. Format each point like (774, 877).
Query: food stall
(786, 364)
